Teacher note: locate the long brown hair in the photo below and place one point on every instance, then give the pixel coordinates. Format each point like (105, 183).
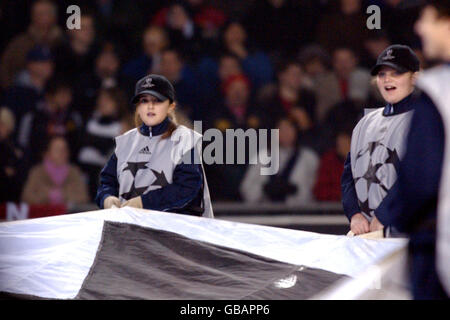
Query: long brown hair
(173, 124)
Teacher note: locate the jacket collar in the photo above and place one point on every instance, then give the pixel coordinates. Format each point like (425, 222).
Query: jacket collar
(155, 130)
(404, 105)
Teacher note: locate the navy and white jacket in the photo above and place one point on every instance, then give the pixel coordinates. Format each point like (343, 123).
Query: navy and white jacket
(420, 201)
(166, 173)
(370, 170)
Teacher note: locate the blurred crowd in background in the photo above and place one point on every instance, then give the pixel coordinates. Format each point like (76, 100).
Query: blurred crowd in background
(300, 66)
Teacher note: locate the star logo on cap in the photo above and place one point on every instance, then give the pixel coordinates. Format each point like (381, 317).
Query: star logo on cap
(389, 55)
(148, 83)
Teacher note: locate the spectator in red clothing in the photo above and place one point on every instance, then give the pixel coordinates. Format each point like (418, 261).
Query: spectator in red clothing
(353, 80)
(328, 183)
(193, 16)
(178, 22)
(290, 98)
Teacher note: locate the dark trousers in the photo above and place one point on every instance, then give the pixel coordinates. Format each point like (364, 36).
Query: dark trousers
(423, 275)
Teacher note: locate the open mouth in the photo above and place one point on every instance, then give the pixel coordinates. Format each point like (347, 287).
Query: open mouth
(390, 88)
(150, 114)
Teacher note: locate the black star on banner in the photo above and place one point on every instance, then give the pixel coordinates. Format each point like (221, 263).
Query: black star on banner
(134, 192)
(134, 167)
(160, 179)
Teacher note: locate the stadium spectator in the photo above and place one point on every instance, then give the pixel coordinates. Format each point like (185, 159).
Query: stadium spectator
(178, 21)
(281, 26)
(294, 182)
(229, 65)
(291, 98)
(118, 21)
(207, 19)
(182, 77)
(345, 26)
(28, 89)
(345, 113)
(55, 180)
(106, 74)
(77, 54)
(328, 183)
(212, 73)
(53, 115)
(154, 41)
(256, 63)
(43, 30)
(11, 160)
(235, 111)
(354, 82)
(210, 20)
(97, 143)
(397, 18)
(375, 43)
(317, 66)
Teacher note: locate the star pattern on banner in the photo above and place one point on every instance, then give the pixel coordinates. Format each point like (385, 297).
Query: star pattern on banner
(160, 179)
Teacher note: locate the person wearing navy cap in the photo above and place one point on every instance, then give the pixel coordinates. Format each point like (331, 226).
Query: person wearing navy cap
(156, 165)
(378, 144)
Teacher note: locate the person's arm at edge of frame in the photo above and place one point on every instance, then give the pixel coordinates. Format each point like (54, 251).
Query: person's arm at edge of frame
(422, 163)
(109, 185)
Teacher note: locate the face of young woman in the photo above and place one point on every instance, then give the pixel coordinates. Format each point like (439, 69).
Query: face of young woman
(152, 111)
(393, 85)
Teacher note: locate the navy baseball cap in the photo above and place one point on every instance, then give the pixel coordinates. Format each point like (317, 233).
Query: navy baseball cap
(155, 85)
(39, 53)
(400, 57)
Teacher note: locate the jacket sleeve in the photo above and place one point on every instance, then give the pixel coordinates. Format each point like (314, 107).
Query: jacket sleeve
(349, 197)
(109, 185)
(388, 202)
(185, 187)
(420, 170)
